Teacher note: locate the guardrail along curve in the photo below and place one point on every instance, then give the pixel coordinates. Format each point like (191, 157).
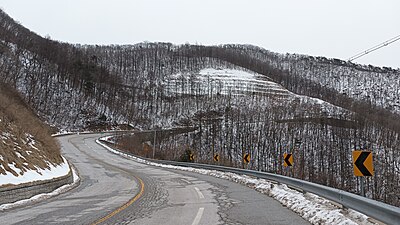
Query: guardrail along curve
(377, 210)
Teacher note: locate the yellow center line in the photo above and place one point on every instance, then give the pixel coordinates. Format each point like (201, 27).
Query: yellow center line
(123, 207)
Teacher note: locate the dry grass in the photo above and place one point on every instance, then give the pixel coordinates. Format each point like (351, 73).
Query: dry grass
(21, 125)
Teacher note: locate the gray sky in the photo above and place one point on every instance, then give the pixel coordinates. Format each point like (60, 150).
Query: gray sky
(330, 28)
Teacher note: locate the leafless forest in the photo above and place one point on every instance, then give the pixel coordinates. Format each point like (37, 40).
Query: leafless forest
(76, 87)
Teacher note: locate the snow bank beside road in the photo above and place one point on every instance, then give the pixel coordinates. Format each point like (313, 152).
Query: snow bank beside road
(53, 171)
(41, 197)
(311, 207)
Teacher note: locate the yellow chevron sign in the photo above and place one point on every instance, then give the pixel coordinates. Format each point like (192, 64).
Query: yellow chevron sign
(246, 158)
(287, 159)
(191, 157)
(216, 157)
(363, 163)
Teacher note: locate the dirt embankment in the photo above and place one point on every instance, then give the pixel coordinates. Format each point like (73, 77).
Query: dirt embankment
(25, 141)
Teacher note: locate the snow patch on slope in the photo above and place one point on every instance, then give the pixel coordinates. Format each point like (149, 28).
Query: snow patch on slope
(211, 81)
(41, 197)
(53, 171)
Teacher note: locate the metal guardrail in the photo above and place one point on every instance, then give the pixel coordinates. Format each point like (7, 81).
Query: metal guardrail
(377, 210)
(380, 211)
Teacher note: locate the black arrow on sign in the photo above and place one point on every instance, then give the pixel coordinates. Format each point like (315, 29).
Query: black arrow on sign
(216, 158)
(360, 163)
(247, 158)
(287, 159)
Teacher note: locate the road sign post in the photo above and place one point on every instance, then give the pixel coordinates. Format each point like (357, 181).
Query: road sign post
(362, 191)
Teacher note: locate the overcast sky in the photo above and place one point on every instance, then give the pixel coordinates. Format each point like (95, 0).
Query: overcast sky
(330, 28)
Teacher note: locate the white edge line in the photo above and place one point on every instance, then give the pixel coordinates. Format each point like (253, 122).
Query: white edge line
(241, 180)
(201, 196)
(197, 219)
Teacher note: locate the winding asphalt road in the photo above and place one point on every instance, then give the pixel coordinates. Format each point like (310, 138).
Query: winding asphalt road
(116, 190)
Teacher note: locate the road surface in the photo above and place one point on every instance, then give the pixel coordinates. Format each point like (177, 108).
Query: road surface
(116, 190)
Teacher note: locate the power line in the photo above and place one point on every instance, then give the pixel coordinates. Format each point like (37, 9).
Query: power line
(390, 41)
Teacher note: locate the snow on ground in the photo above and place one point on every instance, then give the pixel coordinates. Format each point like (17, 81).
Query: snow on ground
(233, 75)
(32, 175)
(223, 81)
(210, 81)
(311, 207)
(41, 197)
(64, 132)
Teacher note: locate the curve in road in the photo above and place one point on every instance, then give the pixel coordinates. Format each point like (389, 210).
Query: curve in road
(116, 190)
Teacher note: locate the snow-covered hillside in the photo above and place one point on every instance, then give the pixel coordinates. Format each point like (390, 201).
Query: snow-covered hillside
(237, 82)
(380, 87)
(27, 151)
(23, 159)
(223, 81)
(366, 83)
(39, 83)
(211, 88)
(15, 176)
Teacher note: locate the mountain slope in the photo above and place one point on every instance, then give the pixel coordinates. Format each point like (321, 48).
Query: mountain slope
(26, 146)
(358, 88)
(242, 99)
